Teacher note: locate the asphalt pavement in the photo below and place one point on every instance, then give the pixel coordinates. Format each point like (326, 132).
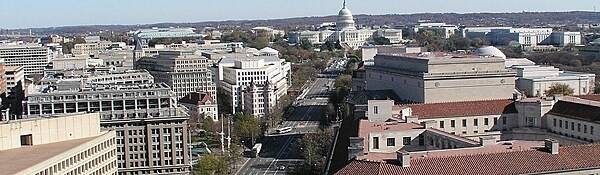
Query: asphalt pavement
(280, 153)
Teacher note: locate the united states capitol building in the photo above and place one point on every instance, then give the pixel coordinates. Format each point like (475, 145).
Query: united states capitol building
(345, 32)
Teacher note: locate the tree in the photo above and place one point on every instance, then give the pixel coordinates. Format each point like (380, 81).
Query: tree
(247, 126)
(314, 148)
(381, 41)
(208, 124)
(559, 89)
(211, 164)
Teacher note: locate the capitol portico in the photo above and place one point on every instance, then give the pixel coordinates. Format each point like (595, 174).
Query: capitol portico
(345, 33)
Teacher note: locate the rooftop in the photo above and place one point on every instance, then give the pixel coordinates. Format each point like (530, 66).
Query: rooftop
(517, 162)
(461, 109)
(15, 160)
(578, 108)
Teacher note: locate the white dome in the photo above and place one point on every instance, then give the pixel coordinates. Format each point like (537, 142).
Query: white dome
(268, 51)
(345, 19)
(490, 51)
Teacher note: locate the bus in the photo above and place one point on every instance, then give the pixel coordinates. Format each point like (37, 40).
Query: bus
(284, 130)
(256, 150)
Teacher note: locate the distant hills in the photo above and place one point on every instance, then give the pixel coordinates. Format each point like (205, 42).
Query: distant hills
(527, 19)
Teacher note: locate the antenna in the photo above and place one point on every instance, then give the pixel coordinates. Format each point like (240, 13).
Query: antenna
(345, 4)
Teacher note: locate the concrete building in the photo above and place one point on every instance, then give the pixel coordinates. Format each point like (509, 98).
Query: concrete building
(183, 71)
(529, 37)
(441, 77)
(345, 33)
(69, 144)
(33, 58)
(201, 104)
(94, 48)
(535, 80)
(14, 75)
(592, 50)
(268, 31)
(259, 100)
(442, 29)
(237, 73)
(155, 33)
(369, 52)
(3, 78)
(151, 130)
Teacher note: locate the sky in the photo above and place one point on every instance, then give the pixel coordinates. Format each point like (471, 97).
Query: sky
(54, 13)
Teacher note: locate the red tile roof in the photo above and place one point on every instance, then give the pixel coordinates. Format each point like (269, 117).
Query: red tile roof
(569, 159)
(462, 109)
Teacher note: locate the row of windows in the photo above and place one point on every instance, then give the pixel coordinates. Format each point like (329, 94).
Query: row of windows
(573, 126)
(83, 156)
(486, 122)
(391, 142)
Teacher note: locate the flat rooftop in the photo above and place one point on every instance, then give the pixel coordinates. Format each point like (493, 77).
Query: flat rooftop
(16, 160)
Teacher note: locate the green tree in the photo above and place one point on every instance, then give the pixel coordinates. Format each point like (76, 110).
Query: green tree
(314, 148)
(210, 165)
(247, 126)
(559, 89)
(381, 41)
(208, 124)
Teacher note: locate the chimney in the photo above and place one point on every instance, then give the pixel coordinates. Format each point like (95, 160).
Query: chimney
(412, 119)
(551, 145)
(403, 157)
(430, 124)
(487, 140)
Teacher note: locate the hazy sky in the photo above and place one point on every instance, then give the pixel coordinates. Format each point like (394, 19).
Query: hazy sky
(46, 13)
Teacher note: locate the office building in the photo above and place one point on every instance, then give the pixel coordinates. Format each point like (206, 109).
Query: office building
(66, 144)
(440, 29)
(529, 37)
(33, 58)
(237, 73)
(183, 71)
(151, 130)
(94, 48)
(535, 80)
(345, 33)
(3, 78)
(14, 76)
(442, 77)
(145, 35)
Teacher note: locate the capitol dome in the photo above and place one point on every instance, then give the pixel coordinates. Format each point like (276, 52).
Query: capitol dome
(490, 51)
(345, 19)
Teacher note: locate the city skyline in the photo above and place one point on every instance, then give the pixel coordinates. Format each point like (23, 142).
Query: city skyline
(131, 13)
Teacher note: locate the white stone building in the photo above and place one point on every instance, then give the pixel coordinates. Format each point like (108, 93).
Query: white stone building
(345, 33)
(238, 73)
(441, 77)
(535, 80)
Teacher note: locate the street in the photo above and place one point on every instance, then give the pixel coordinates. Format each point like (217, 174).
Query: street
(279, 153)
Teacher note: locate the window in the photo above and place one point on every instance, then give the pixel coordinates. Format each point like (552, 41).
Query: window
(375, 142)
(452, 123)
(554, 122)
(375, 110)
(486, 121)
(578, 127)
(591, 130)
(406, 140)
(475, 122)
(26, 140)
(391, 141)
(441, 124)
(495, 121)
(464, 122)
(585, 129)
(504, 120)
(573, 126)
